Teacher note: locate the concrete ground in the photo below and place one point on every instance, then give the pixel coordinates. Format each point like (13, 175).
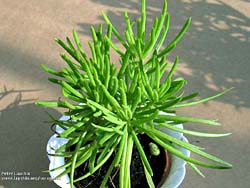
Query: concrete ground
(214, 54)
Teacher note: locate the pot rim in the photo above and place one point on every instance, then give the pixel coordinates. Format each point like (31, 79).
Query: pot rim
(172, 177)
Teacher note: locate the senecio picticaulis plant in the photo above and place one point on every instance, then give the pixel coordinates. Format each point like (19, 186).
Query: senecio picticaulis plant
(110, 106)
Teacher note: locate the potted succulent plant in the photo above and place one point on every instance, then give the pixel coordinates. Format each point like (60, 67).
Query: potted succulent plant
(114, 116)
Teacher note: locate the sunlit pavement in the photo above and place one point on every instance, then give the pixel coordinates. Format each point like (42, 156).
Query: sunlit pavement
(214, 55)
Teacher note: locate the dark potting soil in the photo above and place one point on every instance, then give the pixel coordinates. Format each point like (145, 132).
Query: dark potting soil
(138, 179)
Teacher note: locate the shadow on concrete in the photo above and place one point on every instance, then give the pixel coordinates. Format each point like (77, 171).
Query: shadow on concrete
(233, 149)
(23, 140)
(20, 68)
(215, 51)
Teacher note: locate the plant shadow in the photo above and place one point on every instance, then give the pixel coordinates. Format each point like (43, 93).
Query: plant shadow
(23, 141)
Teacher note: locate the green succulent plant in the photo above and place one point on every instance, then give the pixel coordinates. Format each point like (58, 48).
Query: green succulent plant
(110, 106)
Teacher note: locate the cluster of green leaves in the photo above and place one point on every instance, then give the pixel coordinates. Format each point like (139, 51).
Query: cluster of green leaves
(109, 107)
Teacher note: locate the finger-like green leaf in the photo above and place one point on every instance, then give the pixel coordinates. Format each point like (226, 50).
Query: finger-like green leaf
(74, 127)
(68, 95)
(158, 29)
(194, 133)
(51, 71)
(125, 163)
(74, 158)
(73, 53)
(143, 18)
(129, 27)
(47, 103)
(114, 46)
(96, 167)
(142, 154)
(177, 38)
(164, 33)
(107, 129)
(112, 144)
(175, 87)
(196, 169)
(84, 157)
(165, 87)
(145, 119)
(178, 153)
(117, 34)
(78, 44)
(92, 159)
(72, 90)
(189, 147)
(185, 119)
(202, 100)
